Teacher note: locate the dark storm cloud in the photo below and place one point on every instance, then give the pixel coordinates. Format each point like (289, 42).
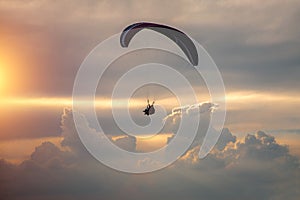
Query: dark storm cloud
(255, 168)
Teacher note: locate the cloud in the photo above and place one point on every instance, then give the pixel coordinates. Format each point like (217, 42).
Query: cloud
(256, 167)
(73, 142)
(225, 138)
(46, 152)
(172, 120)
(70, 139)
(201, 110)
(127, 143)
(205, 107)
(28, 123)
(261, 147)
(263, 47)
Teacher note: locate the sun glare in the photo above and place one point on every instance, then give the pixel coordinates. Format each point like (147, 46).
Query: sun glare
(5, 72)
(2, 79)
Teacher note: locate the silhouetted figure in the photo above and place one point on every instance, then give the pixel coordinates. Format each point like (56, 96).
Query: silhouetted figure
(149, 109)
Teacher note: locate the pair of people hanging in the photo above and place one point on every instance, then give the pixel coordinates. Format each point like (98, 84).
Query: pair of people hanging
(149, 110)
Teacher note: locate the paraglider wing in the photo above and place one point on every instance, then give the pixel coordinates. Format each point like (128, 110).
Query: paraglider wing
(180, 38)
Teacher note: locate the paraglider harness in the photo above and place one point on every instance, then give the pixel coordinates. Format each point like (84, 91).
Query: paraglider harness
(149, 109)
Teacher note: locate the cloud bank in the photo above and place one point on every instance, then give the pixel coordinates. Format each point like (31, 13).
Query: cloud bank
(256, 167)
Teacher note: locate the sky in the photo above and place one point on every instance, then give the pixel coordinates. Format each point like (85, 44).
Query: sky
(256, 48)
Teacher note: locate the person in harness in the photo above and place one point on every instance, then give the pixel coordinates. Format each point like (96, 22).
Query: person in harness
(149, 109)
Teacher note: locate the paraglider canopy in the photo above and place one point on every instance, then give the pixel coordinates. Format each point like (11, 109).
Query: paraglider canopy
(180, 38)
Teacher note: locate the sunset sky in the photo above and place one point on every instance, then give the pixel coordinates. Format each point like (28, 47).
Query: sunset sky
(256, 46)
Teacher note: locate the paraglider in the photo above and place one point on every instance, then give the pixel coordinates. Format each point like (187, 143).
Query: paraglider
(177, 36)
(150, 110)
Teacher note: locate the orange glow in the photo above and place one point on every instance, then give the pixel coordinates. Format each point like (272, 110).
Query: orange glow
(249, 99)
(258, 97)
(14, 72)
(2, 80)
(64, 101)
(6, 81)
(234, 100)
(148, 144)
(4, 76)
(61, 102)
